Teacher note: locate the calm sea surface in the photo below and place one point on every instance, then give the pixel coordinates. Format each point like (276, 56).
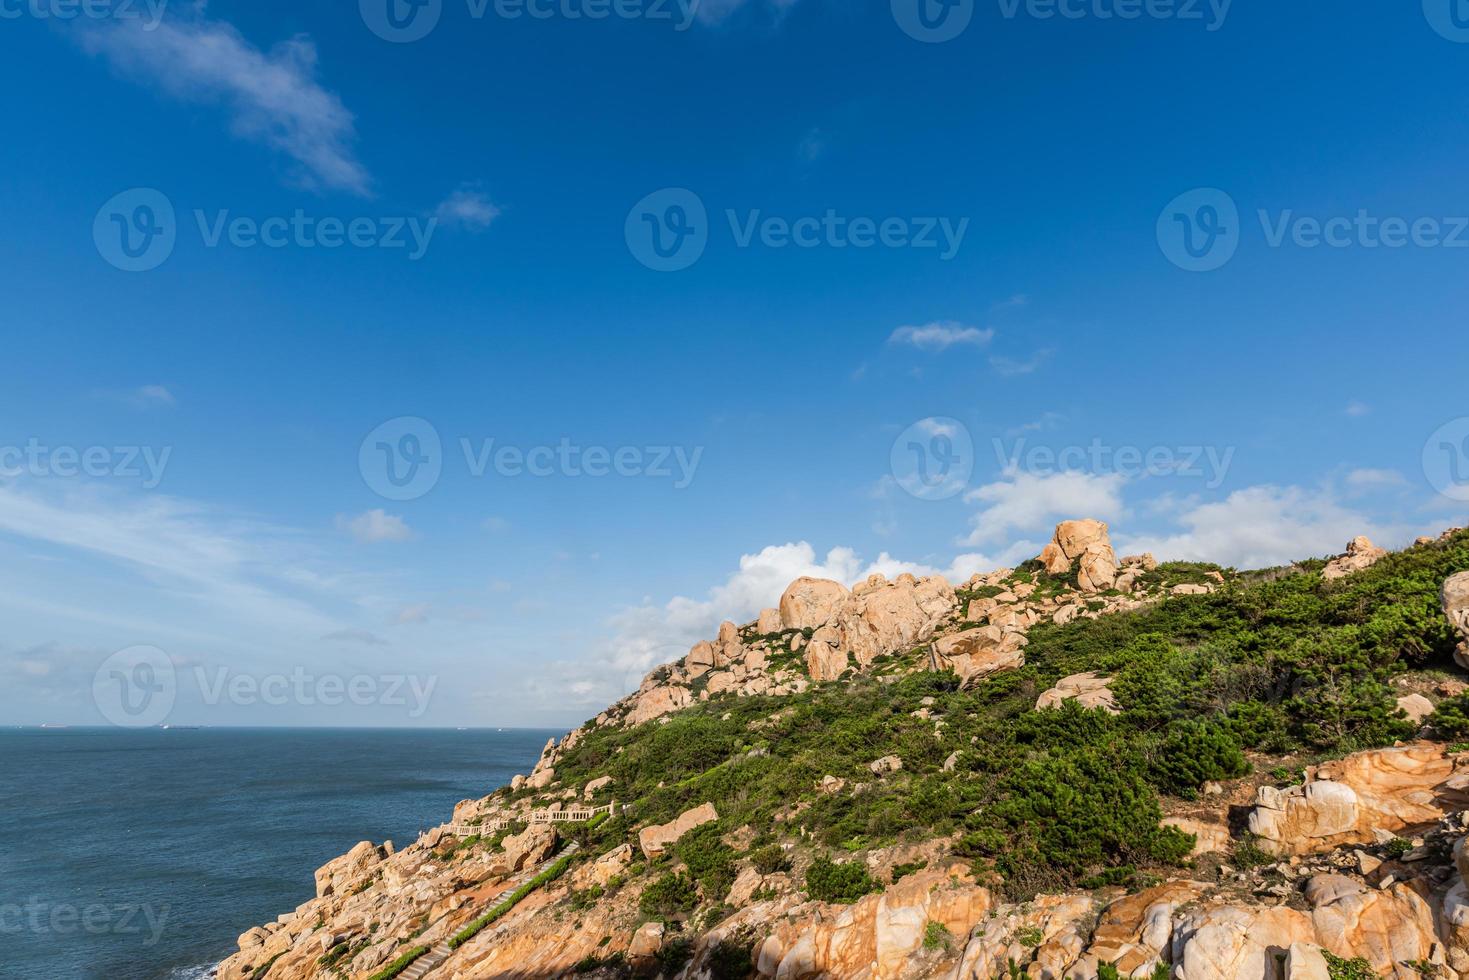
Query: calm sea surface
(142, 855)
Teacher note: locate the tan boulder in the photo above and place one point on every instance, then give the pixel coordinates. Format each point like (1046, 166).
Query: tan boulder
(1346, 801)
(1209, 838)
(530, 847)
(1381, 927)
(1305, 961)
(1135, 932)
(881, 619)
(1361, 553)
(1075, 537)
(1054, 559)
(1415, 706)
(658, 838)
(642, 951)
(886, 765)
(1087, 690)
(1233, 943)
(769, 622)
(1455, 598)
(1009, 933)
(657, 702)
(825, 661)
(343, 873)
(809, 602)
(605, 868)
(601, 782)
(1085, 544)
(979, 652)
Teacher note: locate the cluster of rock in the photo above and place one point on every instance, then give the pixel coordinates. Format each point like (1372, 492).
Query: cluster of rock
(1361, 554)
(1456, 608)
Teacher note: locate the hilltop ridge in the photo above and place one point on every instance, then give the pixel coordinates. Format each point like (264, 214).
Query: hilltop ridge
(1082, 767)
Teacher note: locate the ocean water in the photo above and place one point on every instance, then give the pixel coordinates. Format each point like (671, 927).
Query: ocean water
(143, 855)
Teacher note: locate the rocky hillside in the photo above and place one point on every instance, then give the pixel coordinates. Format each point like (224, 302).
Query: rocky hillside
(1083, 767)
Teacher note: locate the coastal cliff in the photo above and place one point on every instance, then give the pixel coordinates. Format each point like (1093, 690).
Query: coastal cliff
(1085, 767)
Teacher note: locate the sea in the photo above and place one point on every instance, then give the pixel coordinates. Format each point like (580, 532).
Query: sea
(144, 854)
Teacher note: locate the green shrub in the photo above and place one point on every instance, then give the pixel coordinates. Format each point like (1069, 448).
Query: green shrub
(1193, 753)
(670, 895)
(770, 859)
(1354, 969)
(710, 860)
(936, 935)
(730, 959)
(1451, 718)
(827, 881)
(400, 964)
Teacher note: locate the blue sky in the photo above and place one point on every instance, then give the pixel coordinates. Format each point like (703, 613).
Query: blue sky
(1291, 392)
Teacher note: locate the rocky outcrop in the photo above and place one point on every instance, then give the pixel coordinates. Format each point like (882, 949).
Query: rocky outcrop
(658, 838)
(976, 653)
(657, 702)
(1087, 690)
(876, 619)
(1455, 598)
(351, 869)
(1351, 800)
(1384, 927)
(1361, 553)
(1086, 546)
(810, 602)
(1231, 942)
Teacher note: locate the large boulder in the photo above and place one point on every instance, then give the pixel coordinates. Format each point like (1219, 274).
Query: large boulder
(528, 848)
(1086, 545)
(1383, 927)
(1229, 942)
(809, 602)
(346, 872)
(1361, 553)
(657, 702)
(1087, 690)
(1456, 608)
(877, 619)
(1349, 800)
(976, 653)
(658, 838)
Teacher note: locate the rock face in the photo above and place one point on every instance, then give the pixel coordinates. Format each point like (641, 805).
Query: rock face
(349, 870)
(1361, 553)
(975, 654)
(809, 602)
(1086, 545)
(1383, 927)
(1087, 690)
(1233, 943)
(1456, 608)
(876, 619)
(659, 701)
(658, 838)
(1346, 801)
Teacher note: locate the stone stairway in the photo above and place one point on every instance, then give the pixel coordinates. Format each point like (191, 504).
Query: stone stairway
(436, 956)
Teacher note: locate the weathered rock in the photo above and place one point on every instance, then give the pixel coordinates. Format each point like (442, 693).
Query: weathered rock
(881, 618)
(532, 846)
(343, 873)
(657, 702)
(1456, 607)
(1236, 943)
(1346, 801)
(658, 838)
(1209, 837)
(886, 765)
(642, 952)
(824, 661)
(769, 622)
(1135, 933)
(979, 652)
(1087, 690)
(1381, 927)
(601, 782)
(1304, 961)
(1086, 545)
(809, 602)
(1009, 934)
(1361, 553)
(1415, 706)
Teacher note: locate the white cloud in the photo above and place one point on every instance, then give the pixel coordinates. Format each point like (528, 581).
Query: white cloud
(467, 208)
(1028, 502)
(1264, 526)
(1370, 479)
(1356, 409)
(273, 97)
(152, 395)
(364, 637)
(415, 613)
(1011, 367)
(940, 335)
(374, 526)
(495, 525)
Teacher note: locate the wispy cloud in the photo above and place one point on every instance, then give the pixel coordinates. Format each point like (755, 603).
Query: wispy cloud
(467, 208)
(1010, 367)
(1356, 409)
(374, 526)
(364, 637)
(273, 97)
(940, 335)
